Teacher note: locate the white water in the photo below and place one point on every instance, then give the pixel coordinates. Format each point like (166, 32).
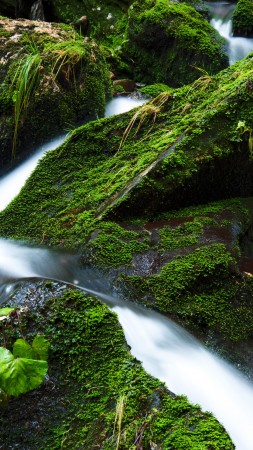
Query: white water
(238, 47)
(166, 350)
(119, 105)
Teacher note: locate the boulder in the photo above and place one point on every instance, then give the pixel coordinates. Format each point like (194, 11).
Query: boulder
(127, 85)
(170, 42)
(49, 71)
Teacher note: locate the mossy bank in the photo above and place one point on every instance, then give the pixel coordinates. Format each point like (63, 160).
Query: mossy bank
(97, 394)
(243, 18)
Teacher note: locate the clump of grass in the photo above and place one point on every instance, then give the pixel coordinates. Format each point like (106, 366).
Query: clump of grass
(202, 82)
(63, 57)
(25, 80)
(119, 417)
(66, 55)
(147, 111)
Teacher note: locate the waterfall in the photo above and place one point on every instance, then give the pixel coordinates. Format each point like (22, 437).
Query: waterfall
(238, 47)
(37, 11)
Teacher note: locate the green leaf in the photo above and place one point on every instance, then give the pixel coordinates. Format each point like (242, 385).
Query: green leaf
(40, 347)
(241, 124)
(6, 311)
(20, 375)
(22, 349)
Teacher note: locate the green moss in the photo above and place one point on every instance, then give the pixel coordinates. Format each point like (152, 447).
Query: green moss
(154, 90)
(112, 245)
(96, 369)
(165, 162)
(171, 41)
(202, 291)
(243, 18)
(183, 236)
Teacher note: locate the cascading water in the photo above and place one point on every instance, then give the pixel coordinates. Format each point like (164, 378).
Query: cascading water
(238, 47)
(165, 349)
(119, 105)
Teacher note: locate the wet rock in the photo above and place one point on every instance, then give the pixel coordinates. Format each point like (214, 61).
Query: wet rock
(127, 85)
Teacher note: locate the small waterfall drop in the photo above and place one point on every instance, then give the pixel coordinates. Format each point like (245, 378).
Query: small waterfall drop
(122, 104)
(238, 47)
(11, 183)
(37, 11)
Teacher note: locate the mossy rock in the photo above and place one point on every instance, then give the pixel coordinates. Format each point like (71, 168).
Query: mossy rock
(184, 148)
(153, 90)
(169, 42)
(91, 374)
(67, 81)
(243, 18)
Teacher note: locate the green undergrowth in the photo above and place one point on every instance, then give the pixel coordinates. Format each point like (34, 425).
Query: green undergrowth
(108, 398)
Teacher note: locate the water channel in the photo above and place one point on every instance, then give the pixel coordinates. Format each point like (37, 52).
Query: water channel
(170, 353)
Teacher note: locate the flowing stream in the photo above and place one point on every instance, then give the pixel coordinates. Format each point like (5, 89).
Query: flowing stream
(238, 47)
(165, 349)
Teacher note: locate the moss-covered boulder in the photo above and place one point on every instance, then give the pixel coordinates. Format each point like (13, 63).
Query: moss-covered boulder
(243, 18)
(48, 71)
(168, 42)
(96, 394)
